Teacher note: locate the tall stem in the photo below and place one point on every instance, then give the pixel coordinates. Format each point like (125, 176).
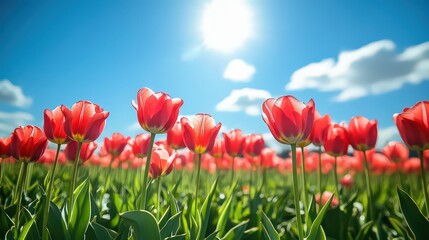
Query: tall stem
(232, 171)
(20, 192)
(336, 180)
(423, 180)
(158, 188)
(73, 180)
(368, 189)
(18, 185)
(296, 192)
(49, 195)
(304, 181)
(319, 176)
(198, 183)
(146, 172)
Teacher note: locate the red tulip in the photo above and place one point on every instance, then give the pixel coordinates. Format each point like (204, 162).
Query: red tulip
(175, 137)
(54, 126)
(116, 144)
(317, 136)
(254, 144)
(162, 162)
(86, 150)
(289, 120)
(156, 112)
(84, 122)
(218, 148)
(163, 144)
(28, 143)
(347, 180)
(5, 147)
(396, 151)
(362, 133)
(336, 142)
(268, 156)
(140, 145)
(199, 132)
(412, 165)
(234, 142)
(413, 126)
(325, 197)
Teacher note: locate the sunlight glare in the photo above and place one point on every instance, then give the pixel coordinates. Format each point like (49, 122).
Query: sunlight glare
(226, 24)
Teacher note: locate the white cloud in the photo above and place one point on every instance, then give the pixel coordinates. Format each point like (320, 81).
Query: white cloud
(12, 94)
(134, 127)
(271, 142)
(386, 135)
(10, 121)
(373, 69)
(238, 70)
(248, 100)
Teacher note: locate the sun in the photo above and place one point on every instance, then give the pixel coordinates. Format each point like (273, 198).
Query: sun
(226, 24)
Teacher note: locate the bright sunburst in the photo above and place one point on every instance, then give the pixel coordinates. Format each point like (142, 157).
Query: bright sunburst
(226, 24)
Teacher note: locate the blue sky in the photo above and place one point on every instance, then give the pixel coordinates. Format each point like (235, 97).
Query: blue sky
(103, 51)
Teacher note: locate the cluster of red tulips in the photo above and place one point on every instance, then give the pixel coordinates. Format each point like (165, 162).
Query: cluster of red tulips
(290, 121)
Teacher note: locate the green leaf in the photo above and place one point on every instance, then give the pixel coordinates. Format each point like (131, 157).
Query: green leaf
(221, 224)
(29, 231)
(315, 227)
(56, 225)
(236, 232)
(5, 222)
(81, 211)
(143, 223)
(269, 230)
(205, 211)
(414, 217)
(96, 231)
(171, 226)
(212, 236)
(364, 231)
(177, 237)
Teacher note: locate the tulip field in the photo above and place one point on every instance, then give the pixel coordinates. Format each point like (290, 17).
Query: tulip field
(185, 179)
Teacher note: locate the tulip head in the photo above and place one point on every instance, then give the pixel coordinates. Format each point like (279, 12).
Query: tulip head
(28, 143)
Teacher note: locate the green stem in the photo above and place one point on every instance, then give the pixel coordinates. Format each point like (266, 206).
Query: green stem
(198, 183)
(146, 172)
(368, 189)
(319, 176)
(158, 187)
(49, 195)
(296, 192)
(21, 180)
(336, 180)
(232, 171)
(423, 180)
(73, 180)
(17, 189)
(304, 181)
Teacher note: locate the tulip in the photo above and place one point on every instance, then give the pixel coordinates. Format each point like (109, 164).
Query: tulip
(347, 181)
(27, 145)
(157, 113)
(53, 127)
(162, 164)
(362, 135)
(84, 122)
(140, 145)
(4, 153)
(396, 151)
(413, 126)
(218, 148)
(317, 137)
(325, 198)
(234, 143)
(175, 137)
(86, 151)
(199, 135)
(116, 144)
(253, 145)
(290, 122)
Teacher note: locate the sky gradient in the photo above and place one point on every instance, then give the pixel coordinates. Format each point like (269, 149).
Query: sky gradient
(368, 58)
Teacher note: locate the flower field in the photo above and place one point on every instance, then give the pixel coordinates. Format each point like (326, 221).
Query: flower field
(185, 179)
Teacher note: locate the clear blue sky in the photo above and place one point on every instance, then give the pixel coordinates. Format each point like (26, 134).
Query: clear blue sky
(104, 51)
